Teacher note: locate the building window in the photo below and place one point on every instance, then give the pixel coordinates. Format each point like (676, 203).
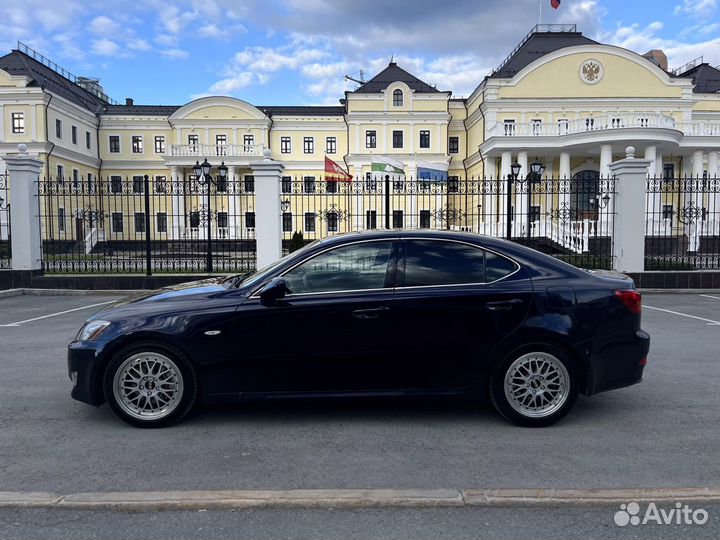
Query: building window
(309, 145)
(397, 98)
(397, 219)
(371, 139)
(370, 183)
(114, 144)
(194, 220)
(159, 144)
(248, 142)
(424, 219)
(250, 220)
(222, 220)
(397, 139)
(424, 139)
(73, 134)
(331, 185)
(161, 222)
(332, 221)
(249, 182)
(61, 219)
(18, 122)
(221, 184)
(87, 140)
(330, 145)
(453, 145)
(137, 144)
(453, 184)
(285, 145)
(138, 185)
(309, 222)
(287, 222)
(667, 211)
(534, 213)
(221, 145)
(76, 178)
(286, 184)
(669, 171)
(58, 129)
(193, 142)
(60, 173)
(371, 219)
(309, 184)
(161, 184)
(115, 184)
(139, 222)
(563, 126)
(117, 222)
(536, 124)
(509, 128)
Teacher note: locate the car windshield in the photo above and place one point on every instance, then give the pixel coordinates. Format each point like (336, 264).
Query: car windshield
(251, 278)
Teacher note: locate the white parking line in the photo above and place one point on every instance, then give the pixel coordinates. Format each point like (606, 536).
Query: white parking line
(18, 323)
(709, 322)
(710, 296)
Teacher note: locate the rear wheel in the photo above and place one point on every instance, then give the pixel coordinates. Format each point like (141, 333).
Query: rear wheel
(534, 386)
(150, 386)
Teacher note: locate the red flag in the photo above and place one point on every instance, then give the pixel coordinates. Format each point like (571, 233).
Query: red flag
(335, 172)
(555, 3)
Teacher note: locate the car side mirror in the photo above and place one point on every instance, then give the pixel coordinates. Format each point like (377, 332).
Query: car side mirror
(275, 290)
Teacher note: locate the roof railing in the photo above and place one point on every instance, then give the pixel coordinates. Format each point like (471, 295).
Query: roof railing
(555, 28)
(32, 53)
(687, 67)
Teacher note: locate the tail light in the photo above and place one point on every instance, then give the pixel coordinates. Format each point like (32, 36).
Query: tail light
(632, 300)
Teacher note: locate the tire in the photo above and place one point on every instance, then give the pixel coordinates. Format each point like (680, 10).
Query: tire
(149, 385)
(535, 385)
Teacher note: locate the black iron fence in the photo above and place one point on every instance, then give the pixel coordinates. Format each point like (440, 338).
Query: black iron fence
(571, 219)
(682, 224)
(5, 226)
(147, 224)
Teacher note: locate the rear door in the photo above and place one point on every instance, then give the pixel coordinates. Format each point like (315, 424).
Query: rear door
(454, 302)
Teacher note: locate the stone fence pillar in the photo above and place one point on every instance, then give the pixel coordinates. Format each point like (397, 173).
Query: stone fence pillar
(629, 232)
(268, 226)
(24, 172)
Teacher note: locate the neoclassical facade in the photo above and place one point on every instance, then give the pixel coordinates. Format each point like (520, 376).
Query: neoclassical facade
(559, 97)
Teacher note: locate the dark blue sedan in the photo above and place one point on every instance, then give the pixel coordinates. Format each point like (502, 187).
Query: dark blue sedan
(371, 314)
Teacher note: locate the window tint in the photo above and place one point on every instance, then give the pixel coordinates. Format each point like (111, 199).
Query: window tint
(354, 267)
(431, 262)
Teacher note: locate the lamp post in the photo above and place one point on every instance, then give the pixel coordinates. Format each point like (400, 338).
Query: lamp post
(202, 172)
(536, 171)
(514, 172)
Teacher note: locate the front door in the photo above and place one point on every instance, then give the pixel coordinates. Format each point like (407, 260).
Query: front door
(79, 230)
(585, 189)
(330, 333)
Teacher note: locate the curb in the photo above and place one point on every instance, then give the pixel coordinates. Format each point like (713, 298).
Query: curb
(677, 291)
(350, 498)
(68, 292)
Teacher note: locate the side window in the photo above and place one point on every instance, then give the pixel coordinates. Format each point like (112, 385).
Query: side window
(347, 268)
(433, 262)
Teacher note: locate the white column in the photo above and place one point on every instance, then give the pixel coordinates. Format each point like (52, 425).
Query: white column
(2, 123)
(503, 212)
(489, 197)
(698, 164)
(650, 155)
(605, 160)
(714, 195)
(652, 200)
(24, 172)
(232, 203)
(605, 182)
(694, 229)
(564, 165)
(178, 204)
(629, 243)
(268, 228)
(565, 218)
(521, 198)
(413, 218)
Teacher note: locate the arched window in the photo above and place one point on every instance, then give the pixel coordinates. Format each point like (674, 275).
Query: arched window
(397, 98)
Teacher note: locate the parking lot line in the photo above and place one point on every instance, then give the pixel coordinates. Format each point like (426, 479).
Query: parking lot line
(710, 296)
(709, 322)
(18, 323)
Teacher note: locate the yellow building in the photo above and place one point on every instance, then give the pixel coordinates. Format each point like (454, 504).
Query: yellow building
(559, 97)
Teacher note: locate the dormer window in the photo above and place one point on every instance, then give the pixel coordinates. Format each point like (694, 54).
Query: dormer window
(397, 98)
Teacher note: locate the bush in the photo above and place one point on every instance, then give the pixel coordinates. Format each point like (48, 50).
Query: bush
(297, 241)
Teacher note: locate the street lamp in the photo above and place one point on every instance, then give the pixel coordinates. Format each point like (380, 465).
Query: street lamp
(285, 205)
(600, 203)
(202, 172)
(479, 216)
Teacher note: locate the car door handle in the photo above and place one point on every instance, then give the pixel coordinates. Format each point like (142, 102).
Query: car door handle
(503, 305)
(371, 313)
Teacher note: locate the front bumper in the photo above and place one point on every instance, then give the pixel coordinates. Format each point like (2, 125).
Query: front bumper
(85, 370)
(620, 363)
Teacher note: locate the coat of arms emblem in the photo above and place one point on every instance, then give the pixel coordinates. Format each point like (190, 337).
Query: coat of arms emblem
(591, 71)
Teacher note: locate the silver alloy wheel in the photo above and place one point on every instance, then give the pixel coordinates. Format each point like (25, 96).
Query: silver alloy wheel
(537, 384)
(148, 386)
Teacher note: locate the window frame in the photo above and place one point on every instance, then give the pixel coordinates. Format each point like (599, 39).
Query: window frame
(286, 145)
(370, 138)
(398, 102)
(424, 138)
(308, 145)
(17, 122)
(112, 138)
(88, 140)
(331, 145)
(159, 144)
(453, 145)
(159, 221)
(398, 135)
(401, 262)
(74, 135)
(59, 129)
(137, 145)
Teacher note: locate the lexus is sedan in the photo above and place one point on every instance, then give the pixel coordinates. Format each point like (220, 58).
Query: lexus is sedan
(382, 313)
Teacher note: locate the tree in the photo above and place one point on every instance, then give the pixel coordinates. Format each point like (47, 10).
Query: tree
(297, 241)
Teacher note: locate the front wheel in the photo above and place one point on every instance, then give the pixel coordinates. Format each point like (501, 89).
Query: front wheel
(150, 386)
(534, 386)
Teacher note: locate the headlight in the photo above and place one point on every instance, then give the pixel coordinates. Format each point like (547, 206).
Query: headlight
(92, 330)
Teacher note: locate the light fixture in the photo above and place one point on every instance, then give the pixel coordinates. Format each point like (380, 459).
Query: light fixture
(515, 169)
(537, 168)
(197, 169)
(285, 205)
(205, 167)
(222, 171)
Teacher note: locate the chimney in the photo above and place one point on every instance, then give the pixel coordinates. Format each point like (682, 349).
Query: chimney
(129, 102)
(657, 57)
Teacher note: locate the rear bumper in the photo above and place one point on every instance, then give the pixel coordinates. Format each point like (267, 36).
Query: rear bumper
(86, 371)
(619, 363)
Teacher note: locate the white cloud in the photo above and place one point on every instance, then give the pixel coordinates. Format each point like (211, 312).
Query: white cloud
(102, 26)
(232, 84)
(168, 40)
(105, 47)
(696, 8)
(174, 54)
(138, 44)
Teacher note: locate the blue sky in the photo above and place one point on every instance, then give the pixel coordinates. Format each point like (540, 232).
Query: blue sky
(287, 52)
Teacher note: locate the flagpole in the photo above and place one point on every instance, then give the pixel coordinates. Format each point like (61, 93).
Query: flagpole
(541, 3)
